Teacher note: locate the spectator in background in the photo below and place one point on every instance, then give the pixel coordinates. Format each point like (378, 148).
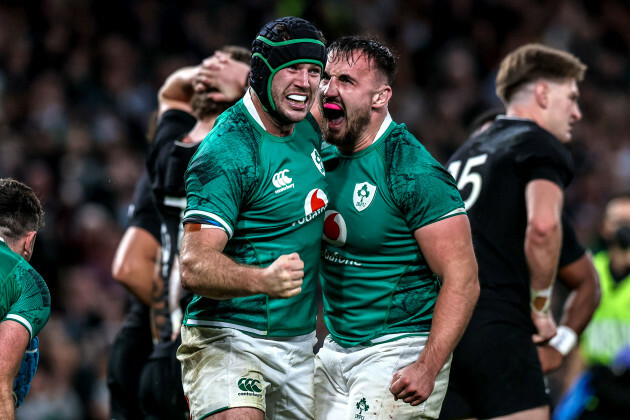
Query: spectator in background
(601, 391)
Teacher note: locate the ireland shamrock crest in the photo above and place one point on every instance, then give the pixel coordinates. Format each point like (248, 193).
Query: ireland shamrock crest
(363, 195)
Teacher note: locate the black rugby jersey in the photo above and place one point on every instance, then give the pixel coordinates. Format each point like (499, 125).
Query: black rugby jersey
(492, 171)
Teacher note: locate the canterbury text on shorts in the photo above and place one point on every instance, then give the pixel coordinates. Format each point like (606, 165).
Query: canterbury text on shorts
(224, 368)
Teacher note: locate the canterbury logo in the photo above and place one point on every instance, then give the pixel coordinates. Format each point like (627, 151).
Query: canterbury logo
(248, 384)
(280, 179)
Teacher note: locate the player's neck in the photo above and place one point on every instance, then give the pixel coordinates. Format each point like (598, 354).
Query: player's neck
(271, 124)
(368, 135)
(200, 130)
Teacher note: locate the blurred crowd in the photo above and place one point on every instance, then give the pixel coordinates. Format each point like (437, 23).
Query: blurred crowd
(78, 85)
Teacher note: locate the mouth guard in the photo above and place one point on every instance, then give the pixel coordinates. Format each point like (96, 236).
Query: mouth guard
(333, 107)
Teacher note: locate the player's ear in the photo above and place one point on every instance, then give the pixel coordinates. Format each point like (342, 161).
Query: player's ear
(541, 94)
(382, 96)
(29, 244)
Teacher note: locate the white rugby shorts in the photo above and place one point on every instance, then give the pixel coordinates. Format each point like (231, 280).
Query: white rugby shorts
(224, 368)
(354, 383)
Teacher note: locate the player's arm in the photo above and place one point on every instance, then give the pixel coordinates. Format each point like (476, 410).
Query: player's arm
(14, 340)
(227, 77)
(174, 296)
(447, 247)
(543, 237)
(582, 279)
(206, 271)
(177, 90)
(134, 263)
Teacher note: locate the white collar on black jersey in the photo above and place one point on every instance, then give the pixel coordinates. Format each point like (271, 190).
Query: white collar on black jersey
(386, 122)
(512, 117)
(247, 101)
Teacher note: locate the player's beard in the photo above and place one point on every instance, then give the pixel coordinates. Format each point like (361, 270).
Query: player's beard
(202, 106)
(354, 126)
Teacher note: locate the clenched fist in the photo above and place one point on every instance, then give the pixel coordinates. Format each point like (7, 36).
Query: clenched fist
(283, 279)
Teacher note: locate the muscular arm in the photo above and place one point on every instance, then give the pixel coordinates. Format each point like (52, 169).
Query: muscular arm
(543, 235)
(134, 262)
(206, 271)
(543, 238)
(447, 247)
(14, 339)
(582, 279)
(177, 90)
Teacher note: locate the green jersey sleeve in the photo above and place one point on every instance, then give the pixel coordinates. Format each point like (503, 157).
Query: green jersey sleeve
(27, 299)
(221, 177)
(424, 191)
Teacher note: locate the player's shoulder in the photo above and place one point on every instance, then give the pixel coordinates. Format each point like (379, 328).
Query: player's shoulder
(401, 148)
(232, 134)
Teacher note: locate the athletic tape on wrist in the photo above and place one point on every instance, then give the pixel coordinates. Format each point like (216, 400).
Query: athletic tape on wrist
(540, 294)
(564, 340)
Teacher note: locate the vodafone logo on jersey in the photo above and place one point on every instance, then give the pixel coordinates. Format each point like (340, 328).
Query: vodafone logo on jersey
(314, 204)
(335, 231)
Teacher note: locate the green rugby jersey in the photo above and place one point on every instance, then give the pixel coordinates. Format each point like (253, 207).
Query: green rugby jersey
(268, 194)
(24, 297)
(376, 283)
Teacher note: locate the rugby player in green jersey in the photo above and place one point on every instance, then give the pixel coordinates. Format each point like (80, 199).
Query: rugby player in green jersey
(256, 198)
(398, 270)
(24, 300)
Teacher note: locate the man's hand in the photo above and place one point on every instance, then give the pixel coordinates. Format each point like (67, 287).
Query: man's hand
(283, 279)
(545, 327)
(28, 367)
(412, 384)
(222, 77)
(550, 358)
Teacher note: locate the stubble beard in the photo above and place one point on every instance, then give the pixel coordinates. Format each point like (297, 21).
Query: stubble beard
(355, 127)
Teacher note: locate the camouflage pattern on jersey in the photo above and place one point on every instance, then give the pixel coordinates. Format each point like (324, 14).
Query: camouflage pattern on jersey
(24, 297)
(269, 195)
(376, 281)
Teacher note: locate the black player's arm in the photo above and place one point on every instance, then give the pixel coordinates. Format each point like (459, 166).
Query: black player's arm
(14, 339)
(543, 235)
(543, 239)
(206, 271)
(134, 263)
(158, 310)
(177, 90)
(582, 279)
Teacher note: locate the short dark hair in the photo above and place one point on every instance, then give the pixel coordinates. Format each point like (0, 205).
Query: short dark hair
(374, 50)
(201, 105)
(532, 62)
(241, 54)
(20, 210)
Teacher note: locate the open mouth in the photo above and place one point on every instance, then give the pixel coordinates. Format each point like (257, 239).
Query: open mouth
(333, 114)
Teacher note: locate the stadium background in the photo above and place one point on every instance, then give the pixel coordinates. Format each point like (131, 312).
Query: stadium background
(78, 81)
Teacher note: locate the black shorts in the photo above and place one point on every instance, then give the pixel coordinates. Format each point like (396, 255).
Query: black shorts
(495, 372)
(161, 391)
(127, 356)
